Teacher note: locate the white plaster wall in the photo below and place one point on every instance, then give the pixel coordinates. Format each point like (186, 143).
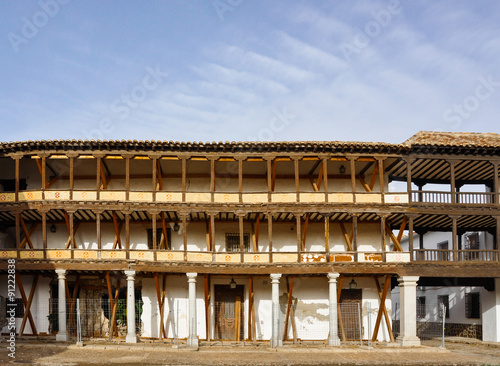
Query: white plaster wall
(40, 304)
(490, 304)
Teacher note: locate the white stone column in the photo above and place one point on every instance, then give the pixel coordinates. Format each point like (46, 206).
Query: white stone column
(333, 338)
(490, 305)
(408, 322)
(193, 329)
(131, 335)
(62, 334)
(276, 340)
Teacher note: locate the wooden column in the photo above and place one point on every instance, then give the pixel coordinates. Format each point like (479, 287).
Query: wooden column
(44, 232)
(355, 236)
(382, 232)
(269, 178)
(212, 231)
(242, 237)
(297, 178)
(127, 233)
(408, 180)
(352, 166)
(71, 215)
(454, 236)
(98, 228)
(495, 183)
(44, 172)
(497, 236)
(410, 236)
(98, 175)
(298, 219)
(380, 162)
(16, 189)
(327, 233)
(153, 227)
(212, 179)
(240, 180)
(452, 182)
(325, 178)
(71, 176)
(18, 229)
(154, 180)
(270, 235)
(127, 177)
(184, 173)
(184, 234)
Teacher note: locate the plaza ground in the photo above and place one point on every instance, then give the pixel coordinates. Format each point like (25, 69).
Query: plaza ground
(458, 352)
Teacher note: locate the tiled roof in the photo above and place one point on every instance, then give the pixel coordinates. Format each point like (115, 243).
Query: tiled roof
(464, 139)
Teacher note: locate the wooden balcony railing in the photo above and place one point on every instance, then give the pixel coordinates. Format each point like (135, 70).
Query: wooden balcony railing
(439, 255)
(473, 198)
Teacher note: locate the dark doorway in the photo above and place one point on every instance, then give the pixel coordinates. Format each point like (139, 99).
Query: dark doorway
(350, 305)
(229, 323)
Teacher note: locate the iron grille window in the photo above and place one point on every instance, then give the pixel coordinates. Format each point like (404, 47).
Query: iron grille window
(445, 300)
(473, 241)
(420, 306)
(472, 305)
(233, 242)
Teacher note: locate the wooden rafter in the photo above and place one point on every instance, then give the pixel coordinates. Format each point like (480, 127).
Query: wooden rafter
(382, 309)
(27, 303)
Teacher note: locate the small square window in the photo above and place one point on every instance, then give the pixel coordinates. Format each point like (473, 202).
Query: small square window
(421, 311)
(233, 242)
(472, 305)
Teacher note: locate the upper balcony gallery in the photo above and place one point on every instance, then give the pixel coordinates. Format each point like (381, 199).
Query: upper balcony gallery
(432, 168)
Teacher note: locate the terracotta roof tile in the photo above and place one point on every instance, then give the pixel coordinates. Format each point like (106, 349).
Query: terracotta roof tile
(426, 138)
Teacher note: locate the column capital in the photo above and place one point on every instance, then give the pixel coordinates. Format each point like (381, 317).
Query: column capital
(275, 277)
(332, 276)
(192, 276)
(408, 280)
(61, 274)
(130, 275)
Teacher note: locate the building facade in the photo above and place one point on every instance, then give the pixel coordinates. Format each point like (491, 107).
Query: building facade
(270, 241)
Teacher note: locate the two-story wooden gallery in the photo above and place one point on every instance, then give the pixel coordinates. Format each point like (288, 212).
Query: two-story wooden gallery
(242, 241)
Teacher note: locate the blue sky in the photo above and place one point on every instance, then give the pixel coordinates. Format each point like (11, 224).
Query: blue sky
(239, 70)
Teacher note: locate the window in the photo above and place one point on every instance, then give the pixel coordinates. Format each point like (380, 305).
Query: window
(159, 238)
(19, 306)
(445, 300)
(472, 243)
(233, 242)
(421, 307)
(472, 305)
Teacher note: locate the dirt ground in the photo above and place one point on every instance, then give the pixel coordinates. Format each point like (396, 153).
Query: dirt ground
(457, 352)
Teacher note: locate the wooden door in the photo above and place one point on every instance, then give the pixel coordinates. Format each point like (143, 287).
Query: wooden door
(229, 312)
(350, 304)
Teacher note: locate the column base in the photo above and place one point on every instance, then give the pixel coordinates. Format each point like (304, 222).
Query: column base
(131, 338)
(62, 337)
(334, 341)
(193, 342)
(409, 341)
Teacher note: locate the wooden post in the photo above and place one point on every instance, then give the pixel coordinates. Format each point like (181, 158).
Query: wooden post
(184, 234)
(298, 229)
(240, 180)
(454, 237)
(353, 177)
(327, 234)
(410, 236)
(44, 232)
(270, 235)
(98, 228)
(269, 178)
(153, 226)
(71, 176)
(184, 174)
(127, 178)
(452, 182)
(251, 310)
(25, 302)
(27, 307)
(212, 230)
(297, 178)
(355, 236)
(242, 237)
(495, 183)
(154, 182)
(72, 229)
(408, 179)
(207, 306)
(325, 178)
(18, 230)
(382, 309)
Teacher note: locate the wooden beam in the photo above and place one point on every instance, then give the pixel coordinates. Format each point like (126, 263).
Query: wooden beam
(25, 302)
(374, 177)
(27, 306)
(68, 242)
(327, 234)
(382, 309)
(27, 233)
(363, 183)
(118, 228)
(102, 172)
(257, 227)
(306, 223)
(320, 177)
(347, 239)
(165, 243)
(339, 310)
(71, 317)
(111, 305)
(397, 244)
(207, 305)
(401, 229)
(159, 174)
(273, 178)
(160, 295)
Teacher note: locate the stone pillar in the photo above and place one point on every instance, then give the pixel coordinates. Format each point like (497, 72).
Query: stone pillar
(276, 340)
(408, 323)
(62, 334)
(193, 329)
(490, 306)
(333, 338)
(131, 335)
